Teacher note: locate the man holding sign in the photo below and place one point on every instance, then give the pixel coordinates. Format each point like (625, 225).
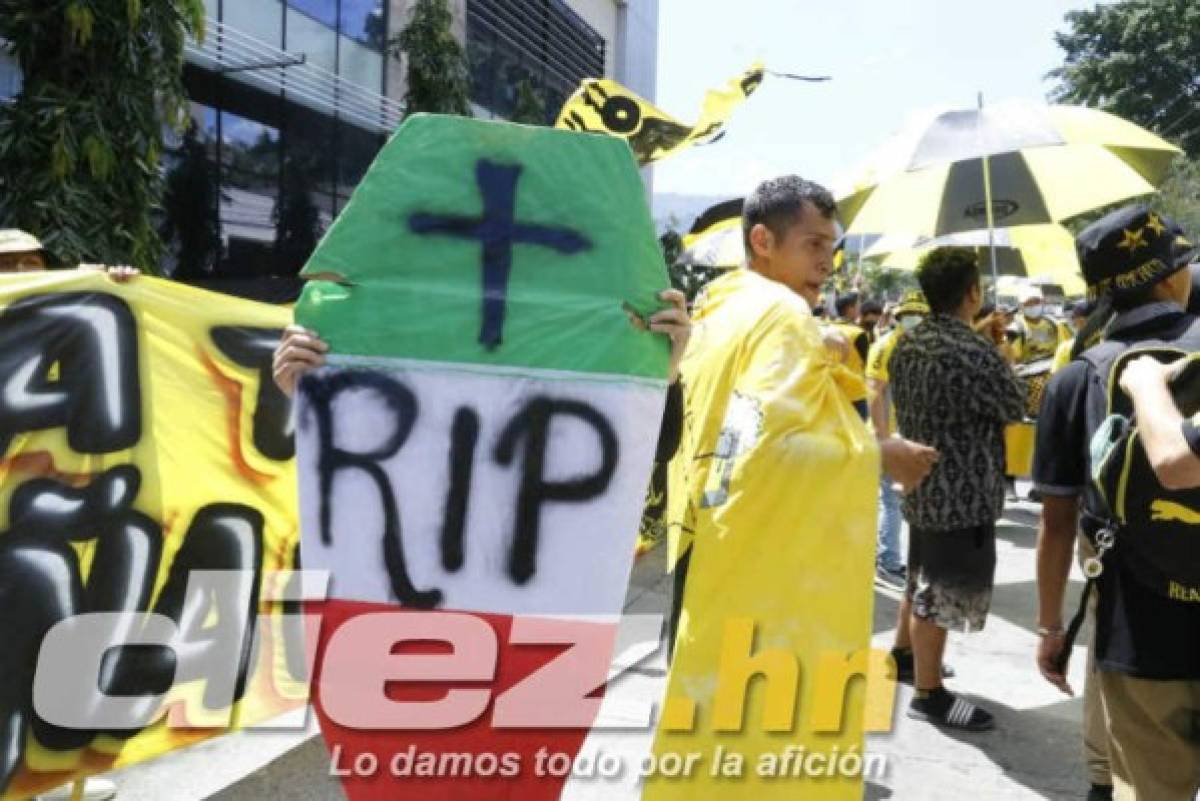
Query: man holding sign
(475, 432)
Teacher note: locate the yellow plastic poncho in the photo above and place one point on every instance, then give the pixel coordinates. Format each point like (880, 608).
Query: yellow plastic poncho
(774, 491)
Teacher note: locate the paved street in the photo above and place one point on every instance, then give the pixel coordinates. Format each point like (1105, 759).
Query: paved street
(1033, 754)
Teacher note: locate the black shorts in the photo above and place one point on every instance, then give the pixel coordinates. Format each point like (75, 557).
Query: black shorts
(950, 576)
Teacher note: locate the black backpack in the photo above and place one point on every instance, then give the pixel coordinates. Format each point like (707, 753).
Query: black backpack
(1157, 529)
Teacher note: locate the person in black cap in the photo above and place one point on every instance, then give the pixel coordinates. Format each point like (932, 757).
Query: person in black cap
(1147, 646)
(1172, 443)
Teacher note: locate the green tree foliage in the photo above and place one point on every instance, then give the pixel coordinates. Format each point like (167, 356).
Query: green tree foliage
(80, 145)
(439, 81)
(687, 278)
(691, 278)
(190, 226)
(1139, 59)
(530, 108)
(873, 281)
(1180, 195)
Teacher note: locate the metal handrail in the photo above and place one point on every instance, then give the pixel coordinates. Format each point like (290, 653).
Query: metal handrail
(228, 49)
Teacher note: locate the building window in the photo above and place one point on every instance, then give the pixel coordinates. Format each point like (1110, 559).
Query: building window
(360, 65)
(323, 11)
(262, 19)
(312, 37)
(363, 21)
(360, 21)
(541, 41)
(356, 149)
(250, 162)
(283, 148)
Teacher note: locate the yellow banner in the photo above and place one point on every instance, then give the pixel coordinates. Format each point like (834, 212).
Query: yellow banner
(772, 499)
(143, 442)
(605, 106)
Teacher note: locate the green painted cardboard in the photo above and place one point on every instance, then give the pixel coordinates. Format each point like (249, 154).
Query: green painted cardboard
(401, 292)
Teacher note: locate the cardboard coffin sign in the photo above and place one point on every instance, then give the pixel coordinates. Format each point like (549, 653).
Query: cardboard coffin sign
(479, 446)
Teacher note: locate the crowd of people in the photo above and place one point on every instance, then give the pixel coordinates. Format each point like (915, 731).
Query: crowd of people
(944, 375)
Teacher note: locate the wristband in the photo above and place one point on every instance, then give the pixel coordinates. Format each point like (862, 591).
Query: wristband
(1051, 631)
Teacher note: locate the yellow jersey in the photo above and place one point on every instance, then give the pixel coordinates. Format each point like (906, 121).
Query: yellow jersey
(878, 360)
(880, 355)
(1037, 339)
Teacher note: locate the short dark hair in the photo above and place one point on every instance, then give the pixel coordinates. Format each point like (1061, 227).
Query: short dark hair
(946, 275)
(844, 302)
(870, 307)
(779, 204)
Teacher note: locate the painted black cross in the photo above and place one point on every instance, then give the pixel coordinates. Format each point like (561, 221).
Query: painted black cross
(498, 231)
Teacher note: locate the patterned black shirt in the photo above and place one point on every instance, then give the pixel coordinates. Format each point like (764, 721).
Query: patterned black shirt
(953, 391)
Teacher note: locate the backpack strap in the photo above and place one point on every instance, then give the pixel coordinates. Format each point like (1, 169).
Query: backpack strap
(1100, 358)
(1072, 633)
(1092, 568)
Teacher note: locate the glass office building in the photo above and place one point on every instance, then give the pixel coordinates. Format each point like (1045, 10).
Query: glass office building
(288, 112)
(543, 42)
(292, 100)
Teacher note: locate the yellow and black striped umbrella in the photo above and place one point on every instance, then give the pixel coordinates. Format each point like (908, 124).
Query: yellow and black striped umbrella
(1026, 251)
(1045, 164)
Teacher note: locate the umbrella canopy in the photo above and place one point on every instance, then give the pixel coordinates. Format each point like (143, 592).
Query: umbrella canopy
(1046, 164)
(1029, 251)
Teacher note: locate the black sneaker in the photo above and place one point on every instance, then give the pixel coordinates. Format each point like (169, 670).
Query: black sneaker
(891, 579)
(1100, 792)
(906, 668)
(946, 709)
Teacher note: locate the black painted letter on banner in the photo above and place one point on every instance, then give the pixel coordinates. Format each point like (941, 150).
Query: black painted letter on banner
(254, 348)
(92, 337)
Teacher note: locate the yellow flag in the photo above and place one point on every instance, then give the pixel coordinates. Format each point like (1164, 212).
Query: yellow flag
(605, 106)
(773, 497)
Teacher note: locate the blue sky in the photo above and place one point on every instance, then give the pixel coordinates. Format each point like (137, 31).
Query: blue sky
(887, 58)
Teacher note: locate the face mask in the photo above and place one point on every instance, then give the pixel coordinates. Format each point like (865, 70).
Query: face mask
(909, 322)
(868, 326)
(1035, 311)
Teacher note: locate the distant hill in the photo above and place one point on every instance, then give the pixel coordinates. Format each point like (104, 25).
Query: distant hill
(682, 210)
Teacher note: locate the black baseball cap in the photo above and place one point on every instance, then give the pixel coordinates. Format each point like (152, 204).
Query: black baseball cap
(1131, 249)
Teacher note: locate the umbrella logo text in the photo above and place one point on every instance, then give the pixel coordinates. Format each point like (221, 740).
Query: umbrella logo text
(1001, 210)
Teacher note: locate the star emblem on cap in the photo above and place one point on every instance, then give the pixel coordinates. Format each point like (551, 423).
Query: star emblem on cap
(1155, 224)
(1133, 240)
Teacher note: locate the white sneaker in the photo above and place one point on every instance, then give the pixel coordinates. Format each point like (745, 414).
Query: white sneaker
(96, 788)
